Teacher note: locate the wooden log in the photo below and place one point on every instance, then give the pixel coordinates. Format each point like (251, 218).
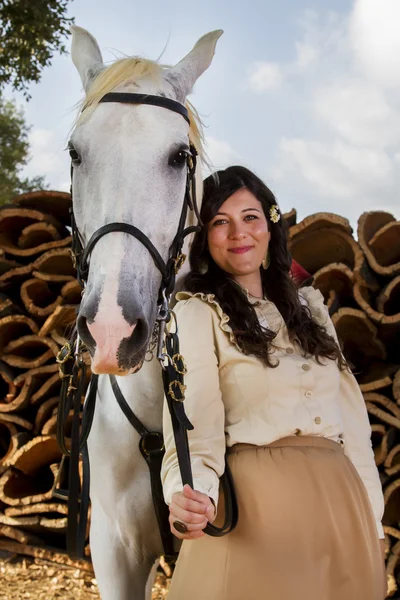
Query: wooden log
(392, 461)
(391, 494)
(50, 426)
(17, 535)
(36, 523)
(14, 327)
(48, 508)
(392, 568)
(55, 265)
(37, 384)
(335, 277)
(56, 204)
(16, 230)
(378, 235)
(9, 307)
(29, 352)
(38, 234)
(10, 441)
(377, 436)
(39, 452)
(383, 408)
(49, 388)
(290, 217)
(45, 411)
(8, 389)
(31, 477)
(63, 318)
(360, 338)
(364, 299)
(17, 420)
(45, 554)
(396, 387)
(379, 377)
(6, 264)
(14, 277)
(388, 301)
(39, 300)
(316, 247)
(71, 292)
(21, 398)
(321, 220)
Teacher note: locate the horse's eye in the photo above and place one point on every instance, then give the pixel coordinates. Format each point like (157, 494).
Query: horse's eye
(76, 159)
(180, 158)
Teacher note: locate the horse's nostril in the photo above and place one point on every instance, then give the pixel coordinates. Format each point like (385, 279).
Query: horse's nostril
(132, 348)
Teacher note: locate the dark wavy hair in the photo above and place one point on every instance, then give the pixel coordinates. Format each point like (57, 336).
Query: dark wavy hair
(277, 283)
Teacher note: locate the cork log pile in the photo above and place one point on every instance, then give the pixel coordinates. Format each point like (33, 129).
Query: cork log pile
(360, 281)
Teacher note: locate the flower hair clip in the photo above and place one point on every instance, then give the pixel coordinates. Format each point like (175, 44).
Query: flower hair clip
(274, 213)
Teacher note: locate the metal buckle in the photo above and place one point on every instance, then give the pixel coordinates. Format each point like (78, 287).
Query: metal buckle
(179, 363)
(62, 357)
(152, 444)
(178, 262)
(178, 386)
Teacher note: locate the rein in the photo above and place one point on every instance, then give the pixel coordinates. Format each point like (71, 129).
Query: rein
(73, 372)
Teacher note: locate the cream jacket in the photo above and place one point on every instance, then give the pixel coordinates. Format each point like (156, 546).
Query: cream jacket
(233, 398)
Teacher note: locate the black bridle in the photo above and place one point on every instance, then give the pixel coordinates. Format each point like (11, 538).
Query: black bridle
(71, 363)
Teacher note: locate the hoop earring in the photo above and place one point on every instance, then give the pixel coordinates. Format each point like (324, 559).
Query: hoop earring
(266, 261)
(203, 267)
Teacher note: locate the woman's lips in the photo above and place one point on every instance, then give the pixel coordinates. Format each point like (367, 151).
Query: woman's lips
(240, 250)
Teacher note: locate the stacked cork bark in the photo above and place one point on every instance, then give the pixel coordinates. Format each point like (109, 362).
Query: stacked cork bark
(360, 281)
(38, 296)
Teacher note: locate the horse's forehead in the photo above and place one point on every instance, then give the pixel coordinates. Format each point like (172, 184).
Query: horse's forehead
(138, 125)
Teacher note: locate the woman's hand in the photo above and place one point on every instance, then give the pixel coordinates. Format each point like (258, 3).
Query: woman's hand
(192, 508)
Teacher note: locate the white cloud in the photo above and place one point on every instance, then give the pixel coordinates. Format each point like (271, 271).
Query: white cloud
(306, 54)
(374, 29)
(46, 158)
(220, 153)
(348, 162)
(264, 76)
(358, 111)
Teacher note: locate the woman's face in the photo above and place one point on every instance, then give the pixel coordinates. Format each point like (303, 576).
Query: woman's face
(238, 235)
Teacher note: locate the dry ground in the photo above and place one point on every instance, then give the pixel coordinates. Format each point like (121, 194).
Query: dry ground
(34, 579)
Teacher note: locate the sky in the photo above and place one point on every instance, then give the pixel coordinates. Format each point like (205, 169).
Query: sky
(305, 93)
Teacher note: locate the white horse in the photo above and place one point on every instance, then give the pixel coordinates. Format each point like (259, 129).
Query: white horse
(129, 166)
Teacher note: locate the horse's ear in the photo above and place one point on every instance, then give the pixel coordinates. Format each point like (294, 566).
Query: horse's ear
(184, 75)
(86, 55)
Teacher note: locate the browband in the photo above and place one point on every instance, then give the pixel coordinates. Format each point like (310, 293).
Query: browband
(147, 99)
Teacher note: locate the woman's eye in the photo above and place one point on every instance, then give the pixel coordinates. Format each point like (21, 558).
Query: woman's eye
(219, 222)
(74, 155)
(180, 158)
(250, 217)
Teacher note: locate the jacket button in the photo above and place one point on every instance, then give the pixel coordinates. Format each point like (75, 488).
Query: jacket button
(318, 420)
(305, 367)
(289, 350)
(297, 432)
(308, 394)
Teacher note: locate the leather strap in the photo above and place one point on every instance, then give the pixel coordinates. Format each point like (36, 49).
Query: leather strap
(128, 98)
(151, 446)
(173, 379)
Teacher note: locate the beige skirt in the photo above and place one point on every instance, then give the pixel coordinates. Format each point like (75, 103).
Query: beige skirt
(306, 531)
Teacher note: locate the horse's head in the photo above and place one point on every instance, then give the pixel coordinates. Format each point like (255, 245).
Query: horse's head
(129, 166)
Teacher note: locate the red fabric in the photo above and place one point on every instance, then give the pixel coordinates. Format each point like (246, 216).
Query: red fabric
(299, 274)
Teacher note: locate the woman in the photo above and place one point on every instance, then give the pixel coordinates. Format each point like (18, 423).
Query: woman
(268, 385)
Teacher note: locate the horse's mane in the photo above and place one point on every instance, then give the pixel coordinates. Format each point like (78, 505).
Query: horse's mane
(131, 70)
